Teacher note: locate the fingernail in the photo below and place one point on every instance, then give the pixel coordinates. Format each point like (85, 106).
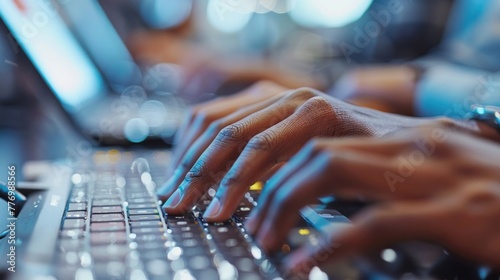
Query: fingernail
(173, 200)
(213, 209)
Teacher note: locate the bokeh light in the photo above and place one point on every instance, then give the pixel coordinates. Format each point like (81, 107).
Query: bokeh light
(328, 13)
(136, 130)
(226, 17)
(165, 14)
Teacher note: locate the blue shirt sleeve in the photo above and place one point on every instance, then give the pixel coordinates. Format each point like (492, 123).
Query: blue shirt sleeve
(449, 89)
(465, 68)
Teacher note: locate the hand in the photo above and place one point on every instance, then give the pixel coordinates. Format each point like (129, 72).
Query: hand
(199, 120)
(431, 184)
(205, 70)
(385, 88)
(243, 147)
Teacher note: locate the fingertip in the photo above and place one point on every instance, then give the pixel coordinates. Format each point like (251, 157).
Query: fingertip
(172, 202)
(250, 225)
(212, 210)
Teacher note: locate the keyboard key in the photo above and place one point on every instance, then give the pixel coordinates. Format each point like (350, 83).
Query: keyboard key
(141, 205)
(114, 217)
(145, 224)
(141, 238)
(208, 273)
(109, 226)
(153, 254)
(147, 230)
(144, 218)
(106, 209)
(180, 230)
(141, 200)
(112, 202)
(74, 224)
(110, 270)
(199, 262)
(115, 252)
(195, 251)
(108, 238)
(138, 195)
(77, 206)
(77, 199)
(70, 244)
(189, 243)
(161, 268)
(246, 264)
(224, 230)
(72, 233)
(249, 276)
(186, 218)
(105, 196)
(239, 251)
(143, 211)
(76, 215)
(152, 246)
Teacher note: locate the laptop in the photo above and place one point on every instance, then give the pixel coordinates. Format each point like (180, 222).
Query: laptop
(100, 218)
(88, 68)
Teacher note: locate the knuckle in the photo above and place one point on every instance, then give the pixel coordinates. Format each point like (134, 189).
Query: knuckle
(197, 170)
(231, 133)
(231, 179)
(317, 104)
(482, 195)
(445, 122)
(261, 142)
(301, 94)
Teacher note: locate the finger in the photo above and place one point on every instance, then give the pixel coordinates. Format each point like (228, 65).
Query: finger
(276, 144)
(300, 190)
(327, 174)
(202, 115)
(402, 164)
(375, 228)
(301, 161)
(216, 160)
(202, 143)
(269, 173)
(296, 163)
(422, 140)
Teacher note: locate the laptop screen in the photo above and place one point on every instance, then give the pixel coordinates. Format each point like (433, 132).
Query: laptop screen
(54, 51)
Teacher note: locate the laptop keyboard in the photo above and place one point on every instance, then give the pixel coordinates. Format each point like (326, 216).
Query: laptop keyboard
(114, 228)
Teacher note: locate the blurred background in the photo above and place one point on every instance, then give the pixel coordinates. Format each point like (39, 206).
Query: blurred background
(178, 53)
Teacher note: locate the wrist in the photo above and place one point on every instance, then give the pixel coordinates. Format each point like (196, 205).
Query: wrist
(487, 131)
(473, 127)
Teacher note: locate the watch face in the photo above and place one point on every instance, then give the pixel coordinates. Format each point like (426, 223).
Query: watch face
(487, 114)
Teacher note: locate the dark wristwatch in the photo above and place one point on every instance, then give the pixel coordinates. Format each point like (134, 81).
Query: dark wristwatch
(489, 115)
